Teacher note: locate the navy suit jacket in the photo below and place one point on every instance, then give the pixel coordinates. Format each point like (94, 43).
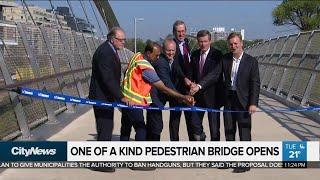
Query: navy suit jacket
(210, 80)
(248, 80)
(106, 74)
(162, 68)
(181, 69)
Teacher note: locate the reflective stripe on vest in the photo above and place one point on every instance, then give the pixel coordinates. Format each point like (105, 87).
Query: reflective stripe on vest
(133, 86)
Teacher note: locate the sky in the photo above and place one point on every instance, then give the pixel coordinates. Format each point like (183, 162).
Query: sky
(253, 16)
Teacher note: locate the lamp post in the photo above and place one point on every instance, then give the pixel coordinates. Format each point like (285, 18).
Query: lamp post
(135, 32)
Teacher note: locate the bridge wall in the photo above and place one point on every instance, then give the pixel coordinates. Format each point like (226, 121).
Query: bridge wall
(29, 53)
(289, 69)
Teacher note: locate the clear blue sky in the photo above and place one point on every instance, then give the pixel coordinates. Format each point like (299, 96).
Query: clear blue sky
(253, 16)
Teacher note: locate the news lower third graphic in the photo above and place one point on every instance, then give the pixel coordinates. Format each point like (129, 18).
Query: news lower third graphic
(84, 154)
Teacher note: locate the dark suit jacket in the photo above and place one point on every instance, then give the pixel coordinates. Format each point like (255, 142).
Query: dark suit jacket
(248, 80)
(162, 68)
(212, 71)
(106, 74)
(181, 69)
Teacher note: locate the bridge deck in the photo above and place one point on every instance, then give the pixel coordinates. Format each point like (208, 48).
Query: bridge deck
(266, 127)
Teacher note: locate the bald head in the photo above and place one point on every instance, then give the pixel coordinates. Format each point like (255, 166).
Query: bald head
(117, 37)
(169, 48)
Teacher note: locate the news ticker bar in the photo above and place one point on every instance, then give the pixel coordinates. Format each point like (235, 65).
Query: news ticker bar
(159, 164)
(163, 151)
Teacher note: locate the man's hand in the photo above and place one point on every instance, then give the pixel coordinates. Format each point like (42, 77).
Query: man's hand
(252, 109)
(127, 101)
(194, 89)
(187, 82)
(189, 100)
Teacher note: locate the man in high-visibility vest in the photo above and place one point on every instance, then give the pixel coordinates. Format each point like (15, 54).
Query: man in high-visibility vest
(138, 80)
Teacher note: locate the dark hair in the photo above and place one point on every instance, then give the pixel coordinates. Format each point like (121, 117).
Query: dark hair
(177, 23)
(113, 31)
(150, 46)
(203, 33)
(234, 34)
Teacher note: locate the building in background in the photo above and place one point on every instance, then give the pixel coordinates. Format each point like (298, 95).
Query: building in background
(41, 16)
(83, 25)
(220, 33)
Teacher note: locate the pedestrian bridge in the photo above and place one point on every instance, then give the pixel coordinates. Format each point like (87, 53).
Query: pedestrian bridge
(59, 60)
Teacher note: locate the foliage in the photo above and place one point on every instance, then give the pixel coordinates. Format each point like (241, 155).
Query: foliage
(221, 45)
(140, 45)
(247, 43)
(303, 14)
(193, 44)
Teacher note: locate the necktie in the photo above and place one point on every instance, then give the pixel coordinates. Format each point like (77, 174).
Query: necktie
(201, 63)
(117, 56)
(185, 52)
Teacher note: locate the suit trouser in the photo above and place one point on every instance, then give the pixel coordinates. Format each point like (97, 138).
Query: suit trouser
(154, 125)
(129, 118)
(214, 124)
(174, 123)
(242, 119)
(104, 123)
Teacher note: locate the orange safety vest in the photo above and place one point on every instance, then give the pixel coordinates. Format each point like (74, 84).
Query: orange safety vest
(133, 85)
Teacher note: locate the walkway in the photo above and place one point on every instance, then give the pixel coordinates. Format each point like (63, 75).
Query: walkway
(266, 127)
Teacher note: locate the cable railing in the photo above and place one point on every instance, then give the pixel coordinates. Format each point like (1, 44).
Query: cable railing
(291, 71)
(43, 58)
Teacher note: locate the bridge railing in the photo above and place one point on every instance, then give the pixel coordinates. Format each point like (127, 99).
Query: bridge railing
(289, 67)
(45, 58)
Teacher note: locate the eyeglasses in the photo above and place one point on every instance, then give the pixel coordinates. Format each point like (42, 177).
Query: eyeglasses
(121, 40)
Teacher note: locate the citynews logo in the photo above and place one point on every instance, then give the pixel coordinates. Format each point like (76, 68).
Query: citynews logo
(21, 151)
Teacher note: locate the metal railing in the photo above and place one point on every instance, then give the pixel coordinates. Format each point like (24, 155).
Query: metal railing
(289, 68)
(45, 58)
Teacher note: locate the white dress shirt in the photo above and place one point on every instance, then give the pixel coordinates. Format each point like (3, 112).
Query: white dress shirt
(234, 71)
(170, 64)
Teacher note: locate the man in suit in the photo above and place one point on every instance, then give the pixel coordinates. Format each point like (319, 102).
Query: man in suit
(181, 71)
(206, 75)
(242, 84)
(105, 83)
(138, 82)
(163, 68)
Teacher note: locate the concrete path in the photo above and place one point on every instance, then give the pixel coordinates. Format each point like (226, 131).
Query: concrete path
(277, 127)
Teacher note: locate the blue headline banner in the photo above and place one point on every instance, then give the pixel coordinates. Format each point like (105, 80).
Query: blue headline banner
(71, 99)
(33, 151)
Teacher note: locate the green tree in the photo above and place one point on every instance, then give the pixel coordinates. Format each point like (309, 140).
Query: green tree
(140, 45)
(221, 45)
(130, 44)
(300, 13)
(193, 44)
(247, 43)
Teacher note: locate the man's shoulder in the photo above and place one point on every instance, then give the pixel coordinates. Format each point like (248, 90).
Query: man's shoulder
(196, 52)
(248, 55)
(249, 58)
(227, 57)
(104, 48)
(215, 52)
(162, 60)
